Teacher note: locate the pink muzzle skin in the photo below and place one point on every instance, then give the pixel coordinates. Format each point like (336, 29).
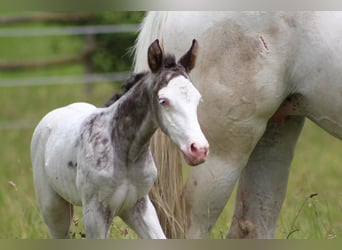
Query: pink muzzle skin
(196, 154)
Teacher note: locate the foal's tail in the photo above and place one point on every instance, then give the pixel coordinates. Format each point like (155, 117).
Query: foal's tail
(167, 191)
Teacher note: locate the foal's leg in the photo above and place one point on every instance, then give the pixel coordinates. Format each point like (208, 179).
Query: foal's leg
(97, 219)
(57, 212)
(143, 219)
(263, 182)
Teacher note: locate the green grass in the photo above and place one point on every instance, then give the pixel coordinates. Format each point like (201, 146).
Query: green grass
(316, 169)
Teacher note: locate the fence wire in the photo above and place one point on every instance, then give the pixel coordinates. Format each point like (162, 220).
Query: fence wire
(54, 80)
(69, 31)
(61, 80)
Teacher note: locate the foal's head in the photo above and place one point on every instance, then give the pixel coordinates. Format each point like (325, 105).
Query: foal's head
(175, 101)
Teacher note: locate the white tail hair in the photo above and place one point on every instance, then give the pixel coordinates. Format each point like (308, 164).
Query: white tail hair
(167, 191)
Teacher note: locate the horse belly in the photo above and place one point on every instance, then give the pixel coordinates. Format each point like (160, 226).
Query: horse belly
(318, 72)
(325, 109)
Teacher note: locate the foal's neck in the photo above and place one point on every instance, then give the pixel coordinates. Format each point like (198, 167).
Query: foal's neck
(133, 123)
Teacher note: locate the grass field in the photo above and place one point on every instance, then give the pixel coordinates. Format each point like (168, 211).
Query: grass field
(316, 168)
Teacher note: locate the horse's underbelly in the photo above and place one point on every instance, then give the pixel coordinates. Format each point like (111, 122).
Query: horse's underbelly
(67, 189)
(325, 110)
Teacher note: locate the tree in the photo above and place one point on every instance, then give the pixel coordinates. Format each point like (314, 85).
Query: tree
(112, 50)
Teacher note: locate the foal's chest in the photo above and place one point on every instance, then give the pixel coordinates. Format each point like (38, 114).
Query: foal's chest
(131, 184)
(120, 186)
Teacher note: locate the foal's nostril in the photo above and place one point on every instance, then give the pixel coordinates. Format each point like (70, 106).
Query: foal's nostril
(199, 151)
(196, 153)
(193, 148)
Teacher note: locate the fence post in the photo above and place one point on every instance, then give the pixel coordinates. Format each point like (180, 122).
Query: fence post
(90, 44)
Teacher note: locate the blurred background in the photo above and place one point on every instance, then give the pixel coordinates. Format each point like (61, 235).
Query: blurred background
(48, 60)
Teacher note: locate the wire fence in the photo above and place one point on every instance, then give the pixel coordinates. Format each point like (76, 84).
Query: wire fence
(64, 80)
(68, 31)
(88, 78)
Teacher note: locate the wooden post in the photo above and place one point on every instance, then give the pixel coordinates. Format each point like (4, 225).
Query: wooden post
(90, 44)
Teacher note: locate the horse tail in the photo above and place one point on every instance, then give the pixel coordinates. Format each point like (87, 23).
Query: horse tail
(167, 191)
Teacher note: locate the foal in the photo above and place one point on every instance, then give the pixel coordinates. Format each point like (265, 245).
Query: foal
(99, 158)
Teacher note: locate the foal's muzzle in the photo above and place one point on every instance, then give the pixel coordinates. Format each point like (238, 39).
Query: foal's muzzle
(196, 153)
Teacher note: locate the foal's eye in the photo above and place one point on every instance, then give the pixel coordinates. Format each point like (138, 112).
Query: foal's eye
(164, 101)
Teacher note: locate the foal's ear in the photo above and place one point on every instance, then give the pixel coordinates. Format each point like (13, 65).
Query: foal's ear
(155, 56)
(188, 60)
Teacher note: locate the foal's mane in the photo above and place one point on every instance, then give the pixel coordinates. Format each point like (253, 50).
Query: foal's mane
(132, 80)
(169, 62)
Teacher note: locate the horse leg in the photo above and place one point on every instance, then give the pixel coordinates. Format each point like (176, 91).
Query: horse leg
(97, 219)
(57, 212)
(262, 185)
(207, 190)
(143, 219)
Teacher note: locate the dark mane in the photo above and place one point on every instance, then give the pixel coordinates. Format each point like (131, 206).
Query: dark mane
(132, 80)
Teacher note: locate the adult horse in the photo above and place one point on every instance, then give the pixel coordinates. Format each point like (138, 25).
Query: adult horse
(260, 75)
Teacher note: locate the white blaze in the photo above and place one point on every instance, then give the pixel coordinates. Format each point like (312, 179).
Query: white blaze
(179, 118)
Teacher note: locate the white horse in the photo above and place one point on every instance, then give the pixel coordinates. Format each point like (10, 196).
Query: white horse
(260, 75)
(100, 157)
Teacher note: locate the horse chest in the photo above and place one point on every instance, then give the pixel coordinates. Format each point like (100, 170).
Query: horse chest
(119, 186)
(129, 185)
